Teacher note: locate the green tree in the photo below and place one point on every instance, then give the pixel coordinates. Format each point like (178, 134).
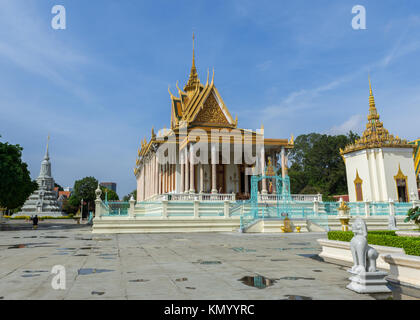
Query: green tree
(84, 189)
(316, 164)
(15, 182)
(112, 195)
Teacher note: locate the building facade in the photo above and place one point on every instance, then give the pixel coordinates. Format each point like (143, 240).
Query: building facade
(379, 166)
(203, 151)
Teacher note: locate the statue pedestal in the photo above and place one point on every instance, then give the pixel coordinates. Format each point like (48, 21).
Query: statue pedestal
(368, 282)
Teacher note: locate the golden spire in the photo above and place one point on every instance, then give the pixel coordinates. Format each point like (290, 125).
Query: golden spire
(373, 113)
(193, 81)
(375, 135)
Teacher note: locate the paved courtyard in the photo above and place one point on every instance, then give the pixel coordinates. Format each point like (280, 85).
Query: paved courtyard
(164, 266)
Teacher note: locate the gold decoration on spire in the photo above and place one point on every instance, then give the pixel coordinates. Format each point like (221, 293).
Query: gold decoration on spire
(193, 81)
(375, 135)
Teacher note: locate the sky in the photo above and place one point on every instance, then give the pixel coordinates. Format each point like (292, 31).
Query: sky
(99, 86)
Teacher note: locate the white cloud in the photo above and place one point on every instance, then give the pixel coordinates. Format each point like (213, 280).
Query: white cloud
(356, 124)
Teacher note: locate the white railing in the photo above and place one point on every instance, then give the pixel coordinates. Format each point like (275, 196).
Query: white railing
(193, 196)
(295, 197)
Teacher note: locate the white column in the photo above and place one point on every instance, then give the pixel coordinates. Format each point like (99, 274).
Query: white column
(182, 173)
(187, 176)
(246, 177)
(201, 178)
(213, 169)
(264, 181)
(192, 169)
(160, 178)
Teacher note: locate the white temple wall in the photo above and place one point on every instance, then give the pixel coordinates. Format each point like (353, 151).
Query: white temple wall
(377, 168)
(358, 161)
(403, 157)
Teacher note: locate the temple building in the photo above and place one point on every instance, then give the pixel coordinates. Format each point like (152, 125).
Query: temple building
(379, 166)
(203, 152)
(43, 202)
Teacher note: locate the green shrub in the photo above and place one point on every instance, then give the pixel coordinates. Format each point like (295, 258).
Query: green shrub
(411, 245)
(413, 214)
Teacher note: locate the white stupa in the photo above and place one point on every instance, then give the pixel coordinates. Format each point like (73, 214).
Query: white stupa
(43, 202)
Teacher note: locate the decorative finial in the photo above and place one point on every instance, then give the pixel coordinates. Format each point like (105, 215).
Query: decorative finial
(212, 79)
(193, 62)
(47, 156)
(208, 75)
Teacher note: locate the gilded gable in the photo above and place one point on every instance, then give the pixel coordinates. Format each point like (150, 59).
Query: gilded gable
(211, 113)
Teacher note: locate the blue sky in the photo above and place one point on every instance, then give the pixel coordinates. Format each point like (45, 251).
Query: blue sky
(100, 85)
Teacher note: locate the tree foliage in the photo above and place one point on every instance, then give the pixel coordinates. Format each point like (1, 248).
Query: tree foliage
(128, 196)
(15, 181)
(316, 164)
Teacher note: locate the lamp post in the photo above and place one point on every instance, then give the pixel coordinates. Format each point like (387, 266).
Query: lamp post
(81, 209)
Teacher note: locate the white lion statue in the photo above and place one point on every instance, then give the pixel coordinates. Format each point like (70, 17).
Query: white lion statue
(364, 256)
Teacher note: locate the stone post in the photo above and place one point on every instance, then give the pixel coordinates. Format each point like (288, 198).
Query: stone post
(367, 208)
(413, 199)
(196, 209)
(98, 203)
(392, 221)
(316, 206)
(391, 206)
(165, 208)
(226, 209)
(132, 205)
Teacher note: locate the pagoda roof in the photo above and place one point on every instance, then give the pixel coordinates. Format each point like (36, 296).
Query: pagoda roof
(375, 135)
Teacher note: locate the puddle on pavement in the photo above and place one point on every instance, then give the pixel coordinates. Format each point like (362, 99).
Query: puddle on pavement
(107, 255)
(296, 278)
(191, 288)
(35, 271)
(83, 239)
(30, 245)
(312, 256)
(299, 243)
(279, 260)
(88, 248)
(259, 282)
(55, 237)
(294, 297)
(30, 237)
(181, 279)
(317, 270)
(240, 249)
(262, 256)
(99, 293)
(60, 253)
(101, 239)
(210, 262)
(30, 275)
(80, 255)
(87, 271)
(66, 249)
(138, 280)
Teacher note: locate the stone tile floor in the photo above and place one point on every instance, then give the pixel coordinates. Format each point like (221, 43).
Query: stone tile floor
(163, 266)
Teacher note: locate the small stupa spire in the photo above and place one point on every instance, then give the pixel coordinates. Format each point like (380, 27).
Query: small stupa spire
(373, 113)
(47, 155)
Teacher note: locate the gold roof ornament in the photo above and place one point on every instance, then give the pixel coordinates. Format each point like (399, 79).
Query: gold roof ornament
(193, 81)
(375, 135)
